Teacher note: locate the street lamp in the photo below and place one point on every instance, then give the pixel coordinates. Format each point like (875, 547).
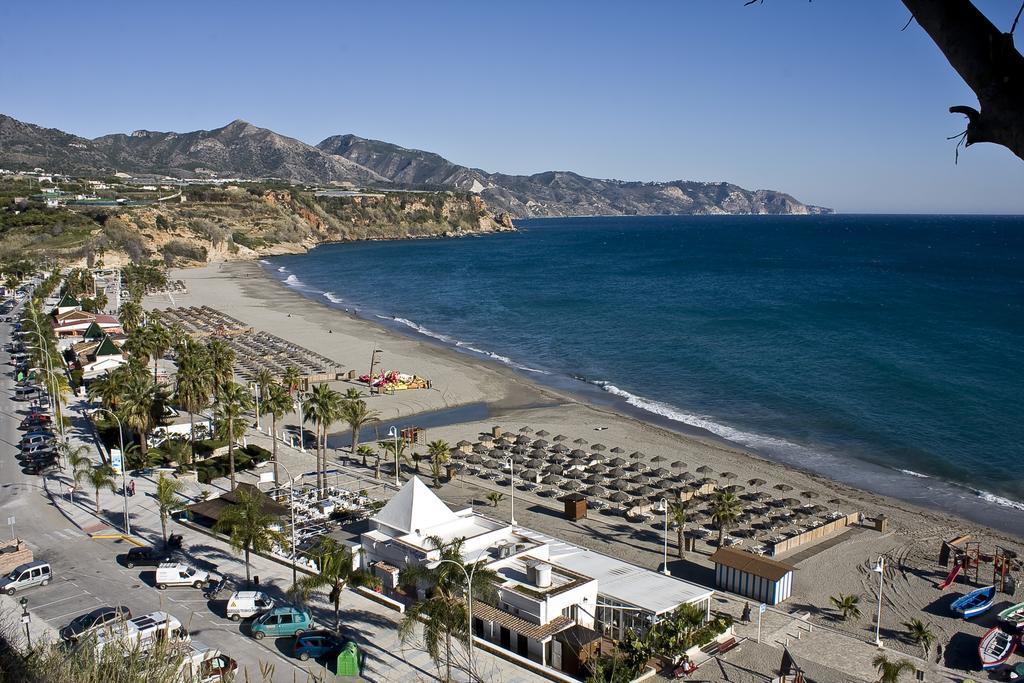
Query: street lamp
(512, 485)
(256, 389)
(291, 512)
(469, 597)
(301, 398)
(880, 568)
(124, 484)
(393, 433)
(664, 568)
(25, 618)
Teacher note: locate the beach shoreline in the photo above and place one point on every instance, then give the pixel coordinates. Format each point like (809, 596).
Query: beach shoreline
(469, 379)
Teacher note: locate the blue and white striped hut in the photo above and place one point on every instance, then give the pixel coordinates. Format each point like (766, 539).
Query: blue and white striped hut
(752, 576)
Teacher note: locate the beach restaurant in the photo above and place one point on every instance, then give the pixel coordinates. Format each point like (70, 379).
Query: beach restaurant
(760, 578)
(554, 601)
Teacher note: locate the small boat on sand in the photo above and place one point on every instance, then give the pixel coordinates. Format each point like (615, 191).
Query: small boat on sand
(995, 648)
(1013, 617)
(974, 603)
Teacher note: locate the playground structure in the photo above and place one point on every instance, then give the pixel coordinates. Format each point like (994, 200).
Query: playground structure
(967, 557)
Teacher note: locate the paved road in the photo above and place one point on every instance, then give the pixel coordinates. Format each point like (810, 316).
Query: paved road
(63, 530)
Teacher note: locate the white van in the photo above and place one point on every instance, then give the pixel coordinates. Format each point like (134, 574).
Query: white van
(245, 604)
(179, 574)
(142, 633)
(205, 664)
(29, 574)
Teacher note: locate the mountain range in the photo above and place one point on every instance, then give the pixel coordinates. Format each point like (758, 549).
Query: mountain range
(241, 149)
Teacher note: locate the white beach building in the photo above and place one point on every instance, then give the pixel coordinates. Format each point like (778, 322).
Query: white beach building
(555, 600)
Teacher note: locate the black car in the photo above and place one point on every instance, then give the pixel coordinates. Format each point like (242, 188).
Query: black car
(145, 556)
(95, 620)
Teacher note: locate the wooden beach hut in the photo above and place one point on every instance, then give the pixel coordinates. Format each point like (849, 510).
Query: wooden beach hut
(759, 578)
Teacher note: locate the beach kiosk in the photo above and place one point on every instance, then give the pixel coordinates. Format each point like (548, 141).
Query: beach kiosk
(752, 576)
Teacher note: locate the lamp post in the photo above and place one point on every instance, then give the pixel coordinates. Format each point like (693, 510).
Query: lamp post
(512, 486)
(880, 568)
(469, 598)
(664, 568)
(373, 361)
(291, 513)
(256, 389)
(124, 483)
(25, 618)
(301, 398)
(393, 433)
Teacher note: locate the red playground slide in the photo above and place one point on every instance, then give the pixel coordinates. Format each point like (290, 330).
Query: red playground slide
(953, 573)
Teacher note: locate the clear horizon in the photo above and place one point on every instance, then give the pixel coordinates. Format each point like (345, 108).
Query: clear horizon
(832, 104)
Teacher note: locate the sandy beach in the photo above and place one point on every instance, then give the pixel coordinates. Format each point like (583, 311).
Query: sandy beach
(911, 543)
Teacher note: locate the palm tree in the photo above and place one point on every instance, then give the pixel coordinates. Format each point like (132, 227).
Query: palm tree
(393, 446)
(353, 394)
(233, 401)
(848, 605)
(725, 508)
(130, 315)
(677, 513)
(443, 613)
(357, 415)
(291, 378)
(77, 457)
(365, 451)
(100, 478)
(153, 341)
(249, 527)
(143, 405)
(168, 499)
(192, 384)
(673, 635)
(323, 408)
(336, 572)
(107, 388)
(439, 456)
(278, 404)
(890, 671)
(222, 364)
(921, 634)
(263, 378)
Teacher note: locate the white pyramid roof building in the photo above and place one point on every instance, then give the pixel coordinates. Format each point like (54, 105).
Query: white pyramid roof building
(414, 507)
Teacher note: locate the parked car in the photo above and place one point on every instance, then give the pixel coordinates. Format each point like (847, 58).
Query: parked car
(99, 619)
(179, 574)
(205, 664)
(245, 604)
(29, 451)
(39, 466)
(25, 576)
(139, 634)
(317, 644)
(36, 439)
(145, 556)
(35, 422)
(282, 622)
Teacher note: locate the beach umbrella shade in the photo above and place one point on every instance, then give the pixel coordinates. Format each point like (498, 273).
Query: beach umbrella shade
(554, 469)
(570, 485)
(835, 501)
(508, 435)
(704, 469)
(661, 472)
(637, 466)
(783, 487)
(580, 442)
(616, 450)
(598, 447)
(617, 473)
(519, 458)
(735, 488)
(790, 502)
(658, 458)
(596, 457)
(594, 479)
(560, 448)
(640, 478)
(521, 450)
(598, 468)
(543, 432)
(685, 476)
(761, 495)
(616, 462)
(728, 475)
(540, 443)
(535, 463)
(480, 448)
(637, 455)
(678, 465)
(463, 444)
(560, 437)
(620, 484)
(526, 430)
(645, 490)
(756, 482)
(809, 494)
(595, 491)
(551, 479)
(455, 453)
(528, 475)
(577, 453)
(501, 443)
(667, 483)
(523, 440)
(474, 459)
(496, 453)
(620, 497)
(575, 474)
(538, 453)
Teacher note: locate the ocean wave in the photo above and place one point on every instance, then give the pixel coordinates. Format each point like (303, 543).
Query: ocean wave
(915, 474)
(462, 345)
(282, 269)
(333, 298)
(293, 281)
(264, 261)
(999, 500)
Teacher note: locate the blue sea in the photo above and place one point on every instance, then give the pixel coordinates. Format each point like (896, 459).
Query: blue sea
(884, 351)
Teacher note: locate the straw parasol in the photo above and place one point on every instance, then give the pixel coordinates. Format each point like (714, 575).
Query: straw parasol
(704, 469)
(616, 462)
(538, 453)
(685, 476)
(637, 455)
(620, 497)
(658, 458)
(463, 444)
(619, 484)
(617, 473)
(518, 458)
(616, 450)
(502, 443)
(495, 453)
(595, 491)
(570, 485)
(597, 457)
(790, 502)
(594, 479)
(598, 447)
(523, 440)
(543, 432)
(580, 442)
(637, 466)
(540, 443)
(783, 487)
(735, 488)
(644, 490)
(809, 494)
(551, 479)
(577, 462)
(554, 469)
(526, 430)
(577, 453)
(480, 448)
(640, 479)
(535, 463)
(598, 468)
(560, 437)
(755, 482)
(528, 475)
(474, 459)
(728, 475)
(559, 448)
(661, 472)
(678, 465)
(508, 435)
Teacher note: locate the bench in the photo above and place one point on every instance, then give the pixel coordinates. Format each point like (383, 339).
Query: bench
(719, 647)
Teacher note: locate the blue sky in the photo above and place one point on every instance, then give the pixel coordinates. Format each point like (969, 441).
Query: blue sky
(826, 100)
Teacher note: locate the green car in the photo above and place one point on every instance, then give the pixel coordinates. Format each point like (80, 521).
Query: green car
(282, 622)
